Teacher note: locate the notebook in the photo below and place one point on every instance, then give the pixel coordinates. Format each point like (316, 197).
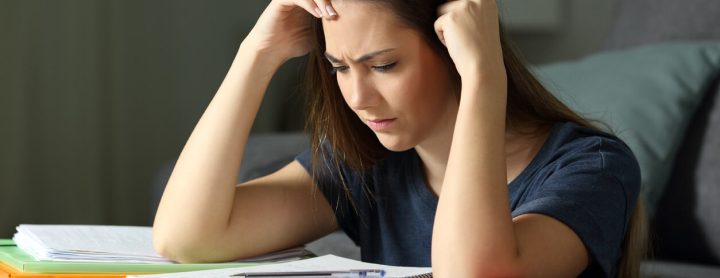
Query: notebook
(7, 271)
(104, 249)
(14, 257)
(104, 243)
(318, 264)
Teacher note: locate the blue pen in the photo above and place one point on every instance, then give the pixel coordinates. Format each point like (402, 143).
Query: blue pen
(353, 273)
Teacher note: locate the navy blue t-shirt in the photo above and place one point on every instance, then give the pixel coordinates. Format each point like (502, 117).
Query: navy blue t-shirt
(587, 179)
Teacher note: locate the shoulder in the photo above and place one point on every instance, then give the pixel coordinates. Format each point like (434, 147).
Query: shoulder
(587, 166)
(590, 181)
(573, 146)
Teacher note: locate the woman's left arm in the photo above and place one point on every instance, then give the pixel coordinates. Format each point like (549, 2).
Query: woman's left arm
(474, 234)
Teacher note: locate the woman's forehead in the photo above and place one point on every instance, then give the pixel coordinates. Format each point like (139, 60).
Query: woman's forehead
(361, 28)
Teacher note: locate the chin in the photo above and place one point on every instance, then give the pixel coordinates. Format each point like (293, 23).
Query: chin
(395, 143)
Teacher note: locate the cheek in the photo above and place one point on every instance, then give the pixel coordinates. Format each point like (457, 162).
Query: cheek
(342, 84)
(423, 96)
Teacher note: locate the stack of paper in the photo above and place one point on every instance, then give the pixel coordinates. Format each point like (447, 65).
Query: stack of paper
(321, 266)
(91, 243)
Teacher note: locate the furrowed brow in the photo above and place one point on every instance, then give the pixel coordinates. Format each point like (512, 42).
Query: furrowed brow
(362, 58)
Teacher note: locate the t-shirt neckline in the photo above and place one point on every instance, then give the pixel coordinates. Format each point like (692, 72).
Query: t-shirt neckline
(426, 193)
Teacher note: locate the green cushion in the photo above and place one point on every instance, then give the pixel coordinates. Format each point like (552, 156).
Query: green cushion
(646, 95)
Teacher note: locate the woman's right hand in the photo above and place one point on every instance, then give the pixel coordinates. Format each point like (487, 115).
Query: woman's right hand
(283, 31)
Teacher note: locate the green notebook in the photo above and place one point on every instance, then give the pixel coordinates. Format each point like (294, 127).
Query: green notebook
(13, 256)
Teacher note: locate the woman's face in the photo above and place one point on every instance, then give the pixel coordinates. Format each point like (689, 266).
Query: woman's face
(389, 76)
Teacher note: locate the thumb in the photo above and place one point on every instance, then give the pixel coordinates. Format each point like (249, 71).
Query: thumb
(439, 30)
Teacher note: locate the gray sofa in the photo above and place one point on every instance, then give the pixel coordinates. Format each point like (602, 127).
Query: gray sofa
(686, 226)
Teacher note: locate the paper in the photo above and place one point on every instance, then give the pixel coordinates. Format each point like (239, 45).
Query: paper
(15, 257)
(97, 243)
(323, 263)
(88, 242)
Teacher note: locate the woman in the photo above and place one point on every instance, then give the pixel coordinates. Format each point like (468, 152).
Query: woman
(431, 143)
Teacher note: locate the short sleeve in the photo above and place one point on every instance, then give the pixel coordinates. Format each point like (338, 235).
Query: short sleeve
(593, 190)
(332, 189)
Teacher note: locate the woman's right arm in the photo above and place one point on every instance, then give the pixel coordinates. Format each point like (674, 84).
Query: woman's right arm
(203, 216)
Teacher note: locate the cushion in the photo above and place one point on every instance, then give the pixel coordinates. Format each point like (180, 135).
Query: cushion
(687, 220)
(646, 95)
(267, 153)
(676, 269)
(650, 21)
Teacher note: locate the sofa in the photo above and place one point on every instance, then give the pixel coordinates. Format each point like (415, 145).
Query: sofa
(685, 227)
(685, 223)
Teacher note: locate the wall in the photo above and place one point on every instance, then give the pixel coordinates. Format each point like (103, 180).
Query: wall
(586, 24)
(96, 96)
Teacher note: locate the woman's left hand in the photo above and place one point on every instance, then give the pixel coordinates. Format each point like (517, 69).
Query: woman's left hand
(470, 30)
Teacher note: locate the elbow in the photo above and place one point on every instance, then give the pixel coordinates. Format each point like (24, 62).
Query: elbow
(178, 249)
(161, 246)
(165, 246)
(184, 247)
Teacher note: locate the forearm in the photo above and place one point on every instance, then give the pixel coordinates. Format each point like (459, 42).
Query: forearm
(473, 231)
(198, 198)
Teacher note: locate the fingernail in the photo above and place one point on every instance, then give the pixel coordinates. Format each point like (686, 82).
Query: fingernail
(330, 10)
(318, 12)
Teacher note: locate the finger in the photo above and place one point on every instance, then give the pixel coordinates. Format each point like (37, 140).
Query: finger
(319, 7)
(438, 25)
(329, 8)
(326, 8)
(450, 6)
(309, 6)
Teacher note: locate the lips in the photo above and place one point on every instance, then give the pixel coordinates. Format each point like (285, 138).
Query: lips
(380, 124)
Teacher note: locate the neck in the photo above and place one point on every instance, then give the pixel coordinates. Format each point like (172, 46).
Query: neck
(435, 150)
(434, 158)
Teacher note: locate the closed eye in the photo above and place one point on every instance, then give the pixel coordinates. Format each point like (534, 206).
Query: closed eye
(336, 69)
(382, 68)
(385, 68)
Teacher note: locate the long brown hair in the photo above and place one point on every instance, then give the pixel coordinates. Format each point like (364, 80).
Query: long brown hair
(336, 133)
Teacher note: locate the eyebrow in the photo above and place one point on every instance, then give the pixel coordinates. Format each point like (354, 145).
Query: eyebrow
(362, 58)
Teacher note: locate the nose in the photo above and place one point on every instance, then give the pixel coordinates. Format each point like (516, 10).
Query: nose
(362, 93)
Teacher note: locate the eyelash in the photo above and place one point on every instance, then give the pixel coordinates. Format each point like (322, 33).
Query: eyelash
(383, 68)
